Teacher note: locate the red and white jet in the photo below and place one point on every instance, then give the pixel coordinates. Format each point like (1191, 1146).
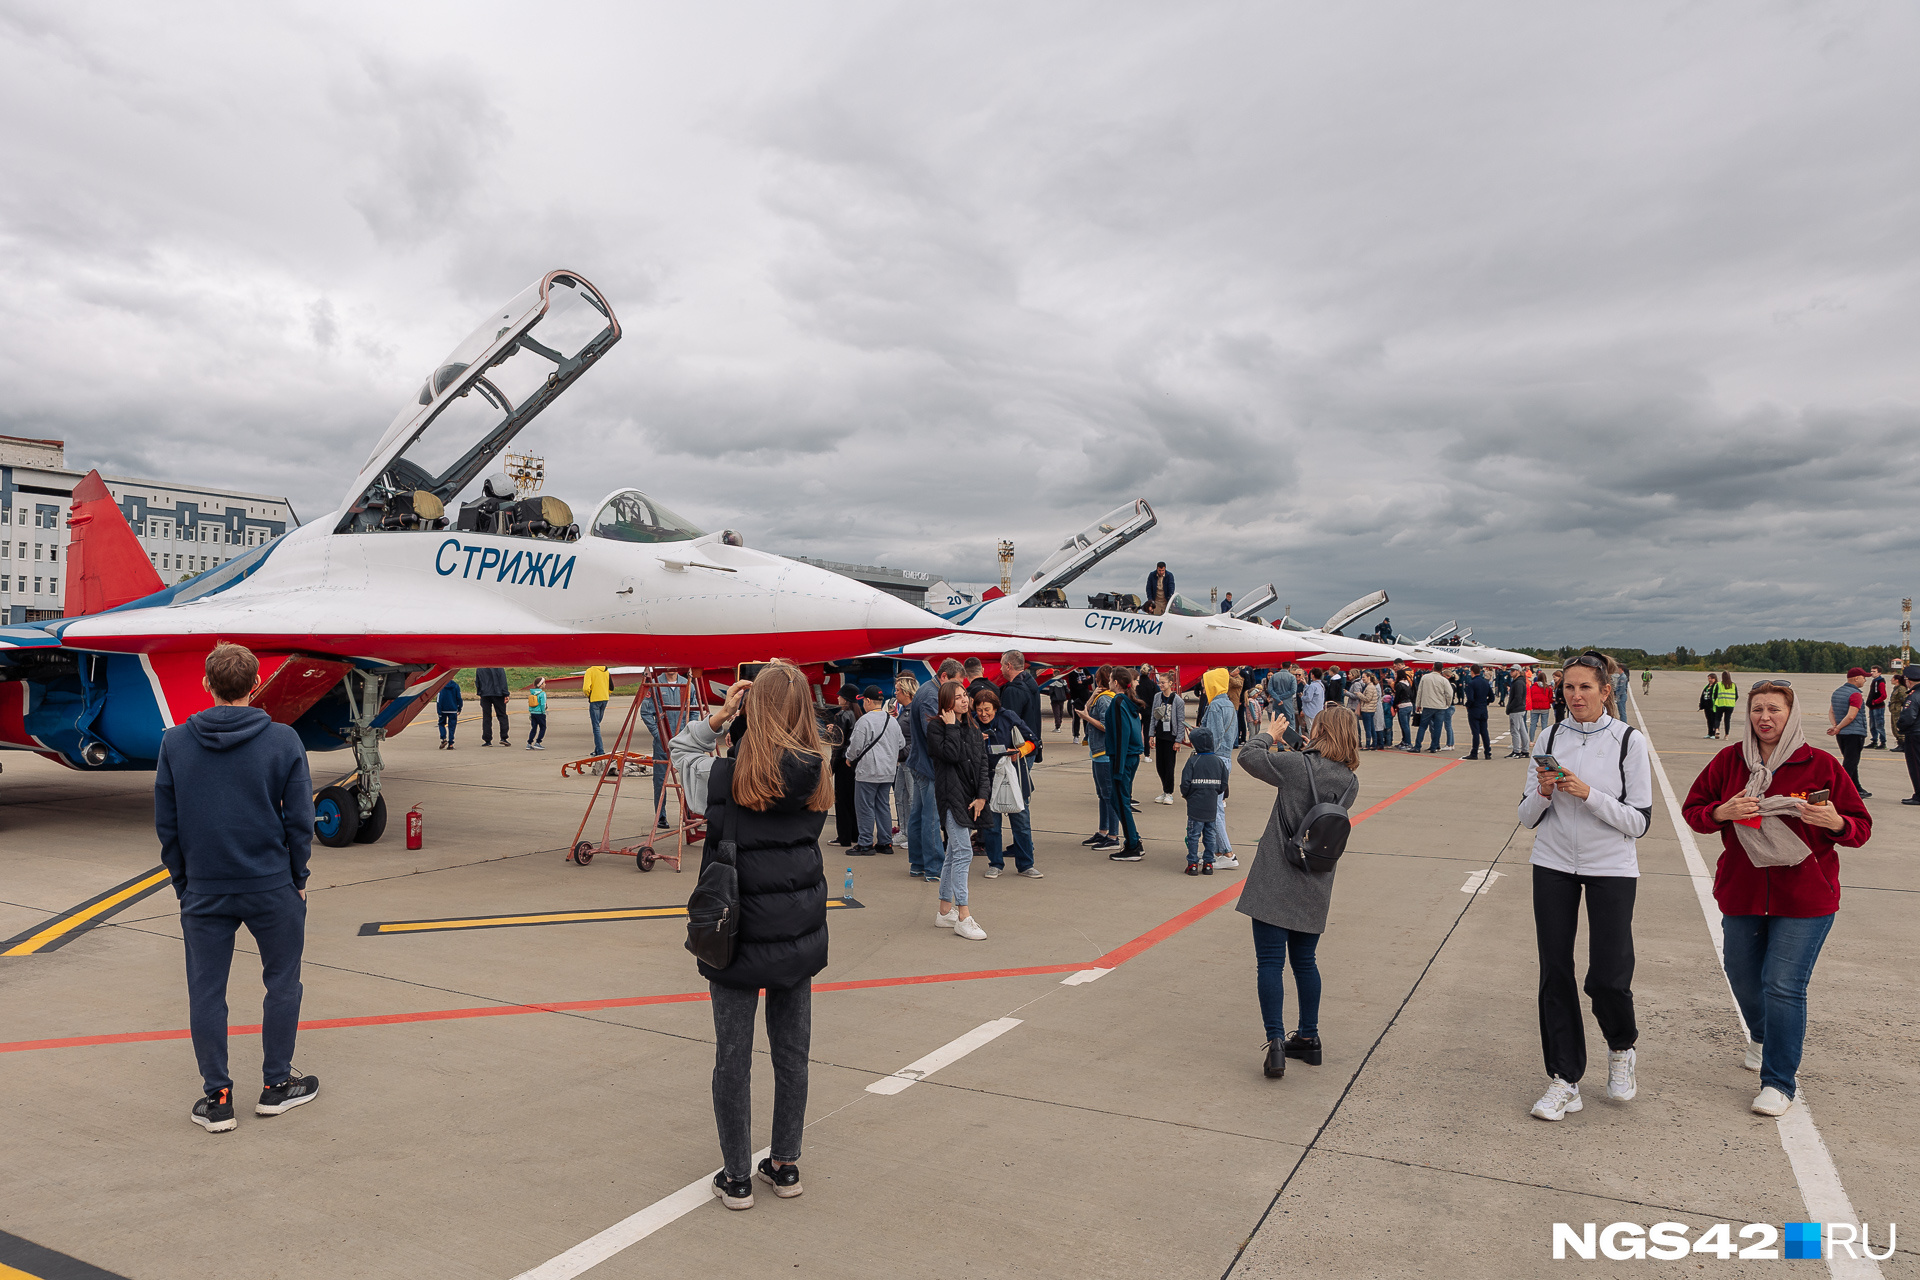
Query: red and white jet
(361, 617)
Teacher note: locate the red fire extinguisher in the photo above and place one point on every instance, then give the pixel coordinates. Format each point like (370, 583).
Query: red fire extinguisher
(416, 828)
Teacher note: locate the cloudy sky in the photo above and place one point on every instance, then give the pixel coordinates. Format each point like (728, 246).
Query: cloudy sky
(1573, 323)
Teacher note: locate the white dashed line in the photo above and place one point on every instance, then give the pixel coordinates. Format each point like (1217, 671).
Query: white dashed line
(1084, 976)
(946, 1054)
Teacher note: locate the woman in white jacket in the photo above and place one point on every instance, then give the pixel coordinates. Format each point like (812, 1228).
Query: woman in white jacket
(1587, 816)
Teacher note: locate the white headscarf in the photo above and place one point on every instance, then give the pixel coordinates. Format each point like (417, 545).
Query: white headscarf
(1773, 843)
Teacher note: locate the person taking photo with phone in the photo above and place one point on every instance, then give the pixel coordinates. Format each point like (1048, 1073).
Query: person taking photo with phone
(777, 784)
(1779, 806)
(962, 783)
(1589, 799)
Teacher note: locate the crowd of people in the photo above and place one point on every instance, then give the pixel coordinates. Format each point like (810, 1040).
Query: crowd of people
(953, 756)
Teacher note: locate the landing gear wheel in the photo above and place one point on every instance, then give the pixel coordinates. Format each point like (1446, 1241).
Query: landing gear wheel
(646, 859)
(374, 825)
(336, 817)
(583, 853)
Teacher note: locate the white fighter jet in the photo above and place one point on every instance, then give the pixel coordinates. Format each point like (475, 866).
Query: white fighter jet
(1449, 649)
(1037, 619)
(359, 618)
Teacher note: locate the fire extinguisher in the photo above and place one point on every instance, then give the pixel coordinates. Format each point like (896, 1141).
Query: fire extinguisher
(416, 828)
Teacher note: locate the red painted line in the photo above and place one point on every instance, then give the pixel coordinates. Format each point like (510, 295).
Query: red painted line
(1118, 956)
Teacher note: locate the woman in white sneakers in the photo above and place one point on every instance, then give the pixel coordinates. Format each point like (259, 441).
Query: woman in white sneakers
(1587, 814)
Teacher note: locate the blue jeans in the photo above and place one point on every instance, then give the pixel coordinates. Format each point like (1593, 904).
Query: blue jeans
(1769, 962)
(1273, 948)
(1536, 725)
(1221, 844)
(1022, 824)
(1877, 725)
(870, 804)
(1103, 788)
(277, 919)
(1200, 836)
(1405, 715)
(1429, 727)
(959, 860)
(923, 828)
(1446, 718)
(594, 711)
(448, 723)
(536, 727)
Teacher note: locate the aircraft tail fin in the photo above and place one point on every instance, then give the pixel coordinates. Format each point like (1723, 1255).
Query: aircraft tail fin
(105, 565)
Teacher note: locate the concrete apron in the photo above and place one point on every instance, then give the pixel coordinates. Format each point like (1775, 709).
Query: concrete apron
(1122, 1127)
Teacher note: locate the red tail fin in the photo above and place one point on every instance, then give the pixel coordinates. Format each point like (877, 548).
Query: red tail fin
(105, 565)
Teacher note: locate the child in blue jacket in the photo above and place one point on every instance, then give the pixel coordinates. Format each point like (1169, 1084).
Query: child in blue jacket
(1204, 784)
(449, 708)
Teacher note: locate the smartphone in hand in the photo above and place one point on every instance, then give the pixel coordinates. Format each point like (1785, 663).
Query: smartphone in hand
(1818, 797)
(1548, 764)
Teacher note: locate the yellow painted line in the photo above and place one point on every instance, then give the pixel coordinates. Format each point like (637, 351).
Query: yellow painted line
(547, 917)
(15, 1273)
(67, 924)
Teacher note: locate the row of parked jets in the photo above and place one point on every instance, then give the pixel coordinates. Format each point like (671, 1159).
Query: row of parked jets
(359, 618)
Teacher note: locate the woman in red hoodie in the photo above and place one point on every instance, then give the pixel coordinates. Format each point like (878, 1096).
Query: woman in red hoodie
(1778, 881)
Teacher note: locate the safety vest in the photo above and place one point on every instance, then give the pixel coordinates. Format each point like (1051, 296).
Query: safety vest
(1725, 695)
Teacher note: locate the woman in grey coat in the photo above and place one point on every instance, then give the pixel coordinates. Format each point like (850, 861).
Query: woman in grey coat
(1166, 730)
(1289, 904)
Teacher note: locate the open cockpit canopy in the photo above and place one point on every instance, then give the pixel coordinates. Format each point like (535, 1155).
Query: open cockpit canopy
(472, 404)
(1087, 548)
(1256, 600)
(631, 516)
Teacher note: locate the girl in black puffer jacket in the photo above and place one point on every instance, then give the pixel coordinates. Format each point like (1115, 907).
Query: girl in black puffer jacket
(777, 785)
(961, 783)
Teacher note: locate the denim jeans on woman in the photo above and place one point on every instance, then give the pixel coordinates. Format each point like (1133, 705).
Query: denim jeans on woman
(1273, 949)
(959, 859)
(1769, 961)
(790, 1032)
(991, 835)
(1103, 788)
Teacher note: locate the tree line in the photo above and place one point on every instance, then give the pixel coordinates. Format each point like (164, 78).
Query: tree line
(1768, 655)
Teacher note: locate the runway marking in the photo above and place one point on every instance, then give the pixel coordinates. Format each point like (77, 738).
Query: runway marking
(946, 1055)
(71, 923)
(1813, 1168)
(1118, 956)
(17, 1254)
(1084, 976)
(550, 917)
(1481, 881)
(628, 1232)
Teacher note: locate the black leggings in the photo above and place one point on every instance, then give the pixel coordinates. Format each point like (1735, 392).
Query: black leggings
(1609, 982)
(1851, 745)
(1163, 755)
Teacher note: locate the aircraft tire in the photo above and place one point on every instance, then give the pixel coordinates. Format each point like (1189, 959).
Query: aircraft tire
(336, 817)
(374, 825)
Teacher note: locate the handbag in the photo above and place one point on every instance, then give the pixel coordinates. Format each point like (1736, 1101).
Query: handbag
(713, 911)
(1316, 845)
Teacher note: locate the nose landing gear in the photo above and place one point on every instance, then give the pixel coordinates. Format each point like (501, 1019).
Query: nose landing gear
(351, 810)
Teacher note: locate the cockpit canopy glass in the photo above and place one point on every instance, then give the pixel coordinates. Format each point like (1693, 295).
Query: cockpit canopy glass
(1288, 624)
(1100, 531)
(1187, 608)
(631, 516)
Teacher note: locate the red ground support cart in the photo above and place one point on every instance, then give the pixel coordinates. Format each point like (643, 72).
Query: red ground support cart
(615, 764)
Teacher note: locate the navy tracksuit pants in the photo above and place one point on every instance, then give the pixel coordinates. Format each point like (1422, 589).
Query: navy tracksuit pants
(277, 919)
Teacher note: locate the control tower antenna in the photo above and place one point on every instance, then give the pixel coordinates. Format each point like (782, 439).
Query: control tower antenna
(529, 472)
(1906, 631)
(1006, 566)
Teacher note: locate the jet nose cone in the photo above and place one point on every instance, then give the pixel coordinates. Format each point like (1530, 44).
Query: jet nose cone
(892, 622)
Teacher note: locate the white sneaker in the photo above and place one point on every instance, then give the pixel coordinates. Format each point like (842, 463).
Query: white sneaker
(993, 873)
(1226, 862)
(1752, 1062)
(1559, 1099)
(1621, 1085)
(946, 919)
(1034, 873)
(970, 929)
(1166, 799)
(1772, 1102)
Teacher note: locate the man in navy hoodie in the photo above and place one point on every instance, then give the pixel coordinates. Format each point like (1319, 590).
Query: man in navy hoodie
(233, 805)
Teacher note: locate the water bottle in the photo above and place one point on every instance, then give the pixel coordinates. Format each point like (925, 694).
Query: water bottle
(846, 890)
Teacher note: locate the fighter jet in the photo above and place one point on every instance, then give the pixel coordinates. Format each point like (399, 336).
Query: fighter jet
(1037, 619)
(359, 618)
(1449, 648)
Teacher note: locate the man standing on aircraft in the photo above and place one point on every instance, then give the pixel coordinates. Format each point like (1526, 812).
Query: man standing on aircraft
(1159, 588)
(490, 686)
(1021, 694)
(1479, 696)
(598, 686)
(233, 807)
(1226, 603)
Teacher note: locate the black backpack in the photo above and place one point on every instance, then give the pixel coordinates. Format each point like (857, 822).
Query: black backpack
(1316, 845)
(713, 912)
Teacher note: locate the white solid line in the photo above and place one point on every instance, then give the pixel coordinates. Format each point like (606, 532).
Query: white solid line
(1813, 1168)
(951, 1052)
(1481, 881)
(1084, 976)
(628, 1232)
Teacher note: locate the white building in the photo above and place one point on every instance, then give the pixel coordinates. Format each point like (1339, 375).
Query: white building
(185, 529)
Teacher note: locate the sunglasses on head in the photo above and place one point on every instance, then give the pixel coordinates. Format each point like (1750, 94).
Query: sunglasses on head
(1597, 661)
(1759, 685)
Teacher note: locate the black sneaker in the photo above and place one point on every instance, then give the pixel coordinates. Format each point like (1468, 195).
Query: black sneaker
(734, 1195)
(785, 1180)
(883, 848)
(1102, 842)
(860, 851)
(1866, 795)
(1093, 839)
(1131, 853)
(292, 1092)
(214, 1113)
(1206, 868)
(1193, 868)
